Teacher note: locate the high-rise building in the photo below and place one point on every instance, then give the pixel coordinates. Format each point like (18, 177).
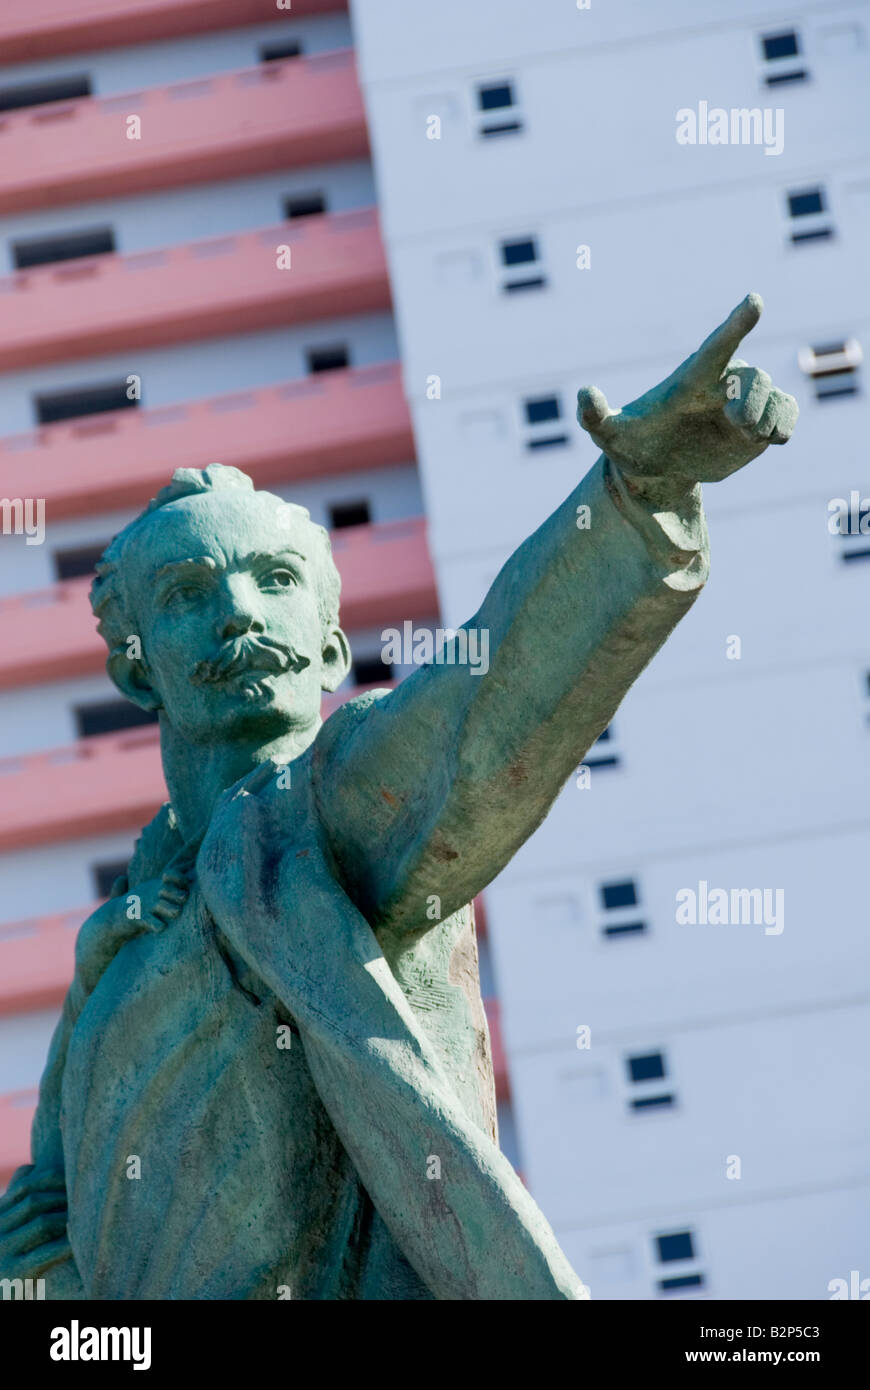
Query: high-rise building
(690, 1100)
(203, 261)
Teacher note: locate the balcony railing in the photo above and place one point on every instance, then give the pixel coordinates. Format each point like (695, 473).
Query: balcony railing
(235, 124)
(36, 960)
(105, 783)
(386, 572)
(226, 285)
(328, 423)
(46, 28)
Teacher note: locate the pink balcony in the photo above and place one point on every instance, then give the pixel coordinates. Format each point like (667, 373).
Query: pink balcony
(36, 960)
(273, 116)
(386, 574)
(111, 782)
(16, 1117)
(226, 285)
(329, 423)
(44, 28)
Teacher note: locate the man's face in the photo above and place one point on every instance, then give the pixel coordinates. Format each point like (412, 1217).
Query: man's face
(225, 588)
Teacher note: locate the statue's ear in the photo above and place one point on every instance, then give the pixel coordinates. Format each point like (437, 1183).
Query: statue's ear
(336, 659)
(131, 679)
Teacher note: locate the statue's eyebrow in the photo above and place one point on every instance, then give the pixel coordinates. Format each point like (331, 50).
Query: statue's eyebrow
(189, 562)
(259, 557)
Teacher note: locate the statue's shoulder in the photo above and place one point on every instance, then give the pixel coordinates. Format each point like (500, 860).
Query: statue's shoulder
(346, 721)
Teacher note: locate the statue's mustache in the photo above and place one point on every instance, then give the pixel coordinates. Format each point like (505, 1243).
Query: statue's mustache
(247, 654)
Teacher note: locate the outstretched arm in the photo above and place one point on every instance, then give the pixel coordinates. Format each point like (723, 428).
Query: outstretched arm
(432, 789)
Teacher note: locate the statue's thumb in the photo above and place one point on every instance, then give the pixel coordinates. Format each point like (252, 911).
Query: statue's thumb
(592, 409)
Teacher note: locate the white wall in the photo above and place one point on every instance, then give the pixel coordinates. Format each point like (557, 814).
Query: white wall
(45, 879)
(743, 773)
(787, 1247)
(24, 1041)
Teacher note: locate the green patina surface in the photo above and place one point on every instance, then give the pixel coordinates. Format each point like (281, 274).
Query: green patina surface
(272, 1077)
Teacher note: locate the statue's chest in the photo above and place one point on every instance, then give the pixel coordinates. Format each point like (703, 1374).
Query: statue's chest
(184, 1082)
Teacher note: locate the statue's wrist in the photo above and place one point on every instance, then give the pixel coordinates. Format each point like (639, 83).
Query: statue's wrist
(664, 492)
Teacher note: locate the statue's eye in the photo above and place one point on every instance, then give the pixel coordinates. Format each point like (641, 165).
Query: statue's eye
(278, 579)
(184, 593)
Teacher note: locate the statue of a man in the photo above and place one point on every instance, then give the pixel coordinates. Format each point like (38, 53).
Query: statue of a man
(272, 1075)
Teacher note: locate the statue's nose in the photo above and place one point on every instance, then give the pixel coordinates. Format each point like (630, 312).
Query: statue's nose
(237, 623)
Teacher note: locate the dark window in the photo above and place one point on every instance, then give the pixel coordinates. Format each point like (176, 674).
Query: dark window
(501, 128)
(626, 929)
(65, 246)
(550, 441)
(108, 716)
(274, 52)
(82, 400)
(806, 203)
(523, 251)
(822, 234)
(49, 89)
(304, 205)
(615, 895)
(648, 1067)
(675, 1247)
(683, 1281)
(534, 282)
(328, 359)
(105, 875)
(831, 384)
(493, 96)
(371, 671)
(827, 350)
(652, 1102)
(786, 45)
(779, 79)
(75, 564)
(519, 252)
(830, 377)
(542, 408)
(349, 514)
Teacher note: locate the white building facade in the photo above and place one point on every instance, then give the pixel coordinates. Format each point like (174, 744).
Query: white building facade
(691, 1099)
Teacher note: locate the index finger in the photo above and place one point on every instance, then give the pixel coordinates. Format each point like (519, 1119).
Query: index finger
(716, 352)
